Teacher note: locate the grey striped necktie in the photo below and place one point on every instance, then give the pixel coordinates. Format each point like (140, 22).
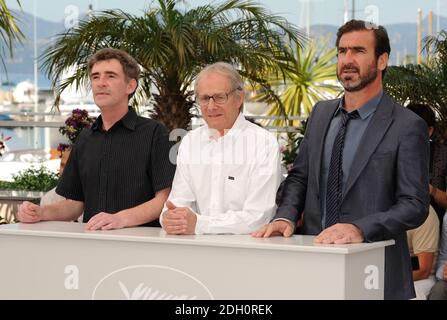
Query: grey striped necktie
(334, 188)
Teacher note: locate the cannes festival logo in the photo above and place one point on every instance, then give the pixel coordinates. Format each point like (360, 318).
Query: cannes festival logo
(150, 282)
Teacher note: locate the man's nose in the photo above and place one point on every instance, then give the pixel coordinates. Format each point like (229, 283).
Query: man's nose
(349, 55)
(212, 104)
(101, 81)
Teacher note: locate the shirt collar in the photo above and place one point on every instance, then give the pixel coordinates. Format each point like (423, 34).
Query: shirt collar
(238, 125)
(129, 121)
(365, 110)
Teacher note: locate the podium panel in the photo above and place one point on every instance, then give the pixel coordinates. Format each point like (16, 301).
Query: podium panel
(59, 260)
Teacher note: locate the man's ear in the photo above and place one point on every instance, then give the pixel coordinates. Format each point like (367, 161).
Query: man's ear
(382, 62)
(242, 98)
(131, 86)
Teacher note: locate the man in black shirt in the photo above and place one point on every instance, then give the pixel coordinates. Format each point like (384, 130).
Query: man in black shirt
(118, 174)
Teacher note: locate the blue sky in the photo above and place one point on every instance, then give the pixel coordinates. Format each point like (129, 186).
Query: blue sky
(320, 11)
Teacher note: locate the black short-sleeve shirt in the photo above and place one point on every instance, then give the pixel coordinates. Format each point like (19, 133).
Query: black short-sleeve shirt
(120, 168)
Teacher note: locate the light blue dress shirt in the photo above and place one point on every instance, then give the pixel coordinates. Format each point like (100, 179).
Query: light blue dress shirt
(354, 133)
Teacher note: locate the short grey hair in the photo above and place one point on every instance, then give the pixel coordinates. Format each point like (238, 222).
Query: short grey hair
(225, 69)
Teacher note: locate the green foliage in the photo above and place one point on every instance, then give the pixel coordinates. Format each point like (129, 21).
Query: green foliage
(425, 83)
(6, 185)
(294, 139)
(310, 76)
(9, 31)
(32, 179)
(422, 83)
(172, 44)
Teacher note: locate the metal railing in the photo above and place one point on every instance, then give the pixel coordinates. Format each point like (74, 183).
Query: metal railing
(32, 119)
(39, 123)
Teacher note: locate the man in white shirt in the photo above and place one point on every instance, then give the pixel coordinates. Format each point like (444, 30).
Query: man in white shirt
(228, 171)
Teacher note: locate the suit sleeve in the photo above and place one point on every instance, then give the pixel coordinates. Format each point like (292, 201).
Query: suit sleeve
(411, 187)
(293, 194)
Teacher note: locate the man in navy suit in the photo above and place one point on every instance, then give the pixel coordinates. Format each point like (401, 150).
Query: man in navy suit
(382, 172)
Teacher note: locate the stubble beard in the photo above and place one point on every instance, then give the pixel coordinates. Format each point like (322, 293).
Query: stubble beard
(361, 83)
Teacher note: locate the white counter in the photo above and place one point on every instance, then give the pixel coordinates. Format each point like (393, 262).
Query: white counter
(59, 260)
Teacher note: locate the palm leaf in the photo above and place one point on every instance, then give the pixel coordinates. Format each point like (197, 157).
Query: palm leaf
(424, 83)
(9, 31)
(310, 76)
(172, 46)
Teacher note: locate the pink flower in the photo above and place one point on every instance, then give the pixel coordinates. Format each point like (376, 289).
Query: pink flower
(3, 144)
(74, 124)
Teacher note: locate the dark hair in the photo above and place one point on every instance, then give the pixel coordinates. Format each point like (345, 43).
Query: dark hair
(130, 65)
(425, 112)
(380, 35)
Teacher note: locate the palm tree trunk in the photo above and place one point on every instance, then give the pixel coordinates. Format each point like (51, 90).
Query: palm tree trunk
(173, 110)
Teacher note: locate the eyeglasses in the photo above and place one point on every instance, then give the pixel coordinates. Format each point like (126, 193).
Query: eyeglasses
(218, 98)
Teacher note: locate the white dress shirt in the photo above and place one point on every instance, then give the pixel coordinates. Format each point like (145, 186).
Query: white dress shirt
(50, 197)
(229, 181)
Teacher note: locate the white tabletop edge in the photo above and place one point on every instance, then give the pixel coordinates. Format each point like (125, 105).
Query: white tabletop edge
(157, 235)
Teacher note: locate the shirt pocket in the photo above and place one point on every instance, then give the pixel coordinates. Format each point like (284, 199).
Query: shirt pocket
(234, 192)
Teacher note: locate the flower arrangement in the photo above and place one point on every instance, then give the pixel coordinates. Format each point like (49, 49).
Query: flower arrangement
(62, 147)
(3, 140)
(74, 124)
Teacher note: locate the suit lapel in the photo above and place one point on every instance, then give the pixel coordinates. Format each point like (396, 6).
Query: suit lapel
(380, 122)
(322, 127)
